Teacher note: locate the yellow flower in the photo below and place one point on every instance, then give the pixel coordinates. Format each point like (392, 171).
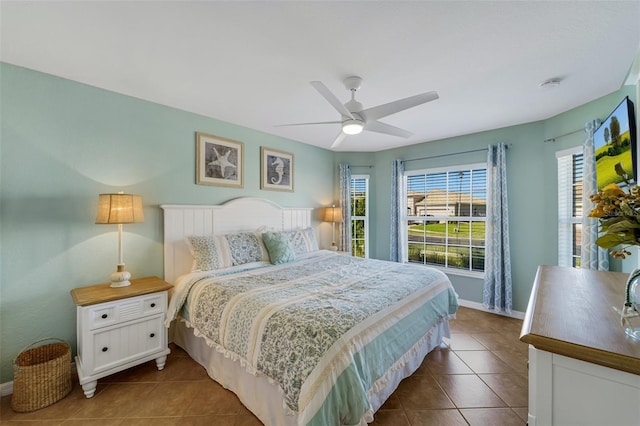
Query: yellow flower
(613, 189)
(619, 215)
(597, 212)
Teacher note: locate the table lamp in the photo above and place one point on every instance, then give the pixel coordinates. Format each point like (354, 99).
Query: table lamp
(119, 209)
(334, 215)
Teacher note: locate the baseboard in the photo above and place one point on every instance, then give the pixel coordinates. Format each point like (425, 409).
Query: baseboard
(480, 307)
(6, 388)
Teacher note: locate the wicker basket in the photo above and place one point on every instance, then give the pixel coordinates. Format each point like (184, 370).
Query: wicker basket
(41, 375)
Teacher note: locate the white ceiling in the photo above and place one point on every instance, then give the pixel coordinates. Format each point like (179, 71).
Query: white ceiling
(250, 63)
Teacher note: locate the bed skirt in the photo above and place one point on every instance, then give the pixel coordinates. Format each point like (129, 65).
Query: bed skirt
(265, 400)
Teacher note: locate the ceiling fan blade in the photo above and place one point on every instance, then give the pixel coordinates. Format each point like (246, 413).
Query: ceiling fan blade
(376, 126)
(341, 136)
(305, 124)
(331, 98)
(399, 105)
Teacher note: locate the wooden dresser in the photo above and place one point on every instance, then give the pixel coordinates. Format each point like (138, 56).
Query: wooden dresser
(583, 369)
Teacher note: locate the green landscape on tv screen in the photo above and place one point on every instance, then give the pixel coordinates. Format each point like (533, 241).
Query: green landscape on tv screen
(614, 142)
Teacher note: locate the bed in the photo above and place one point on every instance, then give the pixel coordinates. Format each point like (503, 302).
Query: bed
(303, 336)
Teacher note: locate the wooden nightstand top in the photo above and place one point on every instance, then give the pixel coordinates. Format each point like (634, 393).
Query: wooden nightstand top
(91, 295)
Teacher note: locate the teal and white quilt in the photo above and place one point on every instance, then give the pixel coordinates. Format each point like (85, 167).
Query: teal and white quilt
(325, 329)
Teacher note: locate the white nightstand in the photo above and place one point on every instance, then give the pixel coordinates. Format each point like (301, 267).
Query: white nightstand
(119, 328)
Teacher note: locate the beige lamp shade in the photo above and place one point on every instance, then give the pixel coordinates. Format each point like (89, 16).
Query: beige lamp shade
(332, 214)
(119, 208)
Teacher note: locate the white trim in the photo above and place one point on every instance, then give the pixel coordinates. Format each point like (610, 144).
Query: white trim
(569, 151)
(480, 307)
(6, 388)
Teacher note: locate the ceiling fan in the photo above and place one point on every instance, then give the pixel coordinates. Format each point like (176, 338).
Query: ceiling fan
(355, 119)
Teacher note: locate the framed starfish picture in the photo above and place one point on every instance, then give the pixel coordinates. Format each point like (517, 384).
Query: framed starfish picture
(219, 161)
(276, 170)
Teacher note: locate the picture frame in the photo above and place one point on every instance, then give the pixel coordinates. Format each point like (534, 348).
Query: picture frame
(219, 161)
(276, 170)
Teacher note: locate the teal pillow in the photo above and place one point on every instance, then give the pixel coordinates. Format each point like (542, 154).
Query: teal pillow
(279, 247)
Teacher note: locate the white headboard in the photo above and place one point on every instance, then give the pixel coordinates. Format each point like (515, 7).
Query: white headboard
(238, 215)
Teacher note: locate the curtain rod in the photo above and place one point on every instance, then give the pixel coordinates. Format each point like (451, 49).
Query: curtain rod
(447, 155)
(562, 136)
(367, 165)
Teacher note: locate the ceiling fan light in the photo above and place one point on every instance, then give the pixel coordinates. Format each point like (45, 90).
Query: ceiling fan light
(352, 127)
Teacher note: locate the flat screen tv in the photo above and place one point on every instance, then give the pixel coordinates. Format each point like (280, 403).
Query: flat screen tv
(615, 141)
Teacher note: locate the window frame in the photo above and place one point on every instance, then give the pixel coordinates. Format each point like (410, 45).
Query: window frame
(566, 219)
(364, 218)
(404, 220)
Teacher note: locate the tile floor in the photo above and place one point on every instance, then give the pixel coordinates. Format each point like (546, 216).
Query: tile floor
(480, 378)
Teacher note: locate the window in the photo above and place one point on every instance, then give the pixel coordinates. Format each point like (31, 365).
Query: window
(569, 206)
(445, 223)
(360, 215)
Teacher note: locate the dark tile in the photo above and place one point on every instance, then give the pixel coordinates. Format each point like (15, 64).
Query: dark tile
(443, 362)
(519, 362)
(392, 403)
(522, 412)
(502, 342)
(468, 391)
(211, 419)
(465, 342)
(492, 417)
(422, 393)
(511, 388)
(395, 417)
(116, 400)
(211, 398)
(484, 362)
(435, 417)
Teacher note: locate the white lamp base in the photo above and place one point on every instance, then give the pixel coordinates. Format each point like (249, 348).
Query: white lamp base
(333, 247)
(120, 278)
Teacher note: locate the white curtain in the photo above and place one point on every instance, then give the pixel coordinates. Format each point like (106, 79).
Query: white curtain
(497, 292)
(345, 207)
(397, 205)
(591, 256)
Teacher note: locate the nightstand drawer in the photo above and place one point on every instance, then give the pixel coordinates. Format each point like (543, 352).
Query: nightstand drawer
(118, 345)
(106, 314)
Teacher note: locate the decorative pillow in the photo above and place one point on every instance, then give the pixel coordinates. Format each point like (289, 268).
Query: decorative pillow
(279, 247)
(204, 250)
(245, 247)
(223, 251)
(303, 240)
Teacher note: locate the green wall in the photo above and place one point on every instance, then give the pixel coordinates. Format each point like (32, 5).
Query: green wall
(62, 144)
(532, 186)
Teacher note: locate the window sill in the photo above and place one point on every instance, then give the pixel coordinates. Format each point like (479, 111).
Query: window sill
(453, 271)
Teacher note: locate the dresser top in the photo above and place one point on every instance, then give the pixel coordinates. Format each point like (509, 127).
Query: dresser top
(571, 313)
(91, 295)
